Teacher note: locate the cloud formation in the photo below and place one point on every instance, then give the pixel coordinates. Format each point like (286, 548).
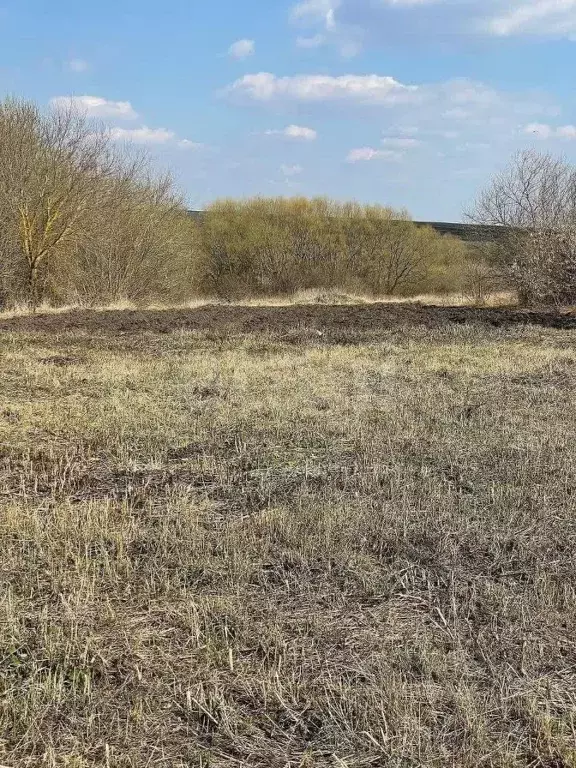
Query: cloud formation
(113, 111)
(365, 154)
(554, 18)
(96, 106)
(143, 135)
(152, 136)
(453, 100)
(78, 66)
(417, 121)
(242, 49)
(401, 142)
(355, 22)
(310, 42)
(298, 132)
(546, 131)
(360, 89)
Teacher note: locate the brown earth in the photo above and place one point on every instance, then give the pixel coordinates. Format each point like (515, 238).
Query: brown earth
(336, 323)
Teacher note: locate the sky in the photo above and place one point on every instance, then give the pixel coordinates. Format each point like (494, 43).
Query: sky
(408, 103)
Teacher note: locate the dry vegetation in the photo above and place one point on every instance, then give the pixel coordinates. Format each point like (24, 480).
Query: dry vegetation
(534, 200)
(288, 546)
(86, 221)
(269, 246)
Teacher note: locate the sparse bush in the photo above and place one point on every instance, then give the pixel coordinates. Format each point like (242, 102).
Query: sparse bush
(140, 248)
(535, 200)
(51, 170)
(479, 283)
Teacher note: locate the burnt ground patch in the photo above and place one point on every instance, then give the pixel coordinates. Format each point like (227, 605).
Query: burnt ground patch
(338, 323)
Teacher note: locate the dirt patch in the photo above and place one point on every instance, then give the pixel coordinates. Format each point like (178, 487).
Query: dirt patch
(334, 323)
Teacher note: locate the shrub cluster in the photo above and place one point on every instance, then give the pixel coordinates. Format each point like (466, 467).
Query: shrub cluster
(279, 246)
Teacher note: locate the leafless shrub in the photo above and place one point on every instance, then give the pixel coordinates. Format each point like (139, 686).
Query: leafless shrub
(139, 247)
(535, 200)
(479, 283)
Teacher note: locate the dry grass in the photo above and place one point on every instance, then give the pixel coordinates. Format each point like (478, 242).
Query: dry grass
(245, 552)
(498, 299)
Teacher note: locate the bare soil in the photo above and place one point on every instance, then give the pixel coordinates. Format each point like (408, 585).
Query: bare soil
(338, 323)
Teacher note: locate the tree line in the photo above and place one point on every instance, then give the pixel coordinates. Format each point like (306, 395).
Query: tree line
(86, 221)
(273, 246)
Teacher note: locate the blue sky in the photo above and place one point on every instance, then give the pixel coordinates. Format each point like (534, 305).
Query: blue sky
(411, 103)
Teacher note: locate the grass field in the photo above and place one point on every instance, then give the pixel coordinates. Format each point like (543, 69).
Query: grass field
(232, 541)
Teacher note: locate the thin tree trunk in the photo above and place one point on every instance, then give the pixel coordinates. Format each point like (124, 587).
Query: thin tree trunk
(33, 287)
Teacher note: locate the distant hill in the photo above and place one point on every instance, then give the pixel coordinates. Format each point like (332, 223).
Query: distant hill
(469, 233)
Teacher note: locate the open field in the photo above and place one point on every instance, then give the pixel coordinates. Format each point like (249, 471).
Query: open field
(300, 537)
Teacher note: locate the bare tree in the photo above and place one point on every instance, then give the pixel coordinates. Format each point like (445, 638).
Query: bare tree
(51, 171)
(534, 199)
(137, 243)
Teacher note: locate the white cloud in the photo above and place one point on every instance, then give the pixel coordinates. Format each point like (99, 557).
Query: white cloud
(385, 20)
(361, 89)
(400, 142)
(443, 115)
(541, 130)
(535, 17)
(291, 170)
(364, 154)
(545, 131)
(112, 111)
(143, 135)
(154, 136)
(452, 99)
(95, 106)
(298, 132)
(322, 11)
(566, 132)
(242, 49)
(78, 66)
(418, 111)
